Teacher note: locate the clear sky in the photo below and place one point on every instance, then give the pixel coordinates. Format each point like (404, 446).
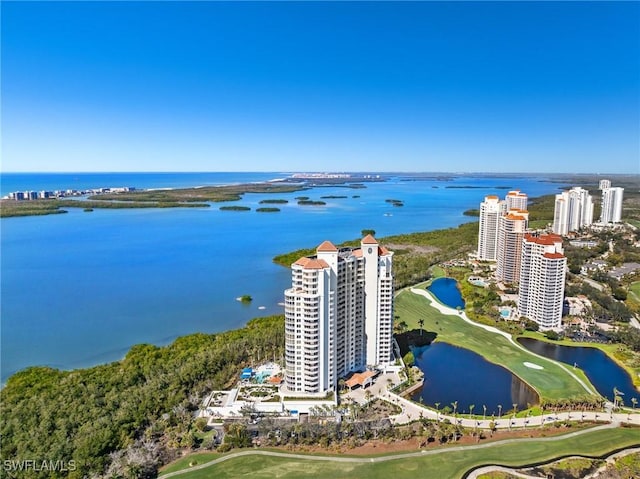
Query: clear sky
(323, 86)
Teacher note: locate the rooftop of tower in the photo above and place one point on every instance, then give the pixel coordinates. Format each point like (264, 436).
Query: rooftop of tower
(327, 246)
(369, 239)
(546, 239)
(311, 263)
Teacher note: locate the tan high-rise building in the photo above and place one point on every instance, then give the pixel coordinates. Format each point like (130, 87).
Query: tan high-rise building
(542, 278)
(516, 200)
(338, 315)
(511, 230)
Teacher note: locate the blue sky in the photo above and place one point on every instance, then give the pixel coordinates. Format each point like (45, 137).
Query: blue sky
(285, 86)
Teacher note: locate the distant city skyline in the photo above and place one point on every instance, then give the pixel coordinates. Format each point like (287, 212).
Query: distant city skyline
(506, 87)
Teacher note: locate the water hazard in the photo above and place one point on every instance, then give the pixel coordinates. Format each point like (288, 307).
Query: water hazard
(457, 374)
(447, 292)
(603, 373)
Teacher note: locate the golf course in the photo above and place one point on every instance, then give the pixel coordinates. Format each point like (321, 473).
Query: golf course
(551, 380)
(445, 462)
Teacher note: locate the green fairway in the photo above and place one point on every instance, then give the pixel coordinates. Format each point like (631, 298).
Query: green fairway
(552, 382)
(448, 462)
(634, 292)
(190, 461)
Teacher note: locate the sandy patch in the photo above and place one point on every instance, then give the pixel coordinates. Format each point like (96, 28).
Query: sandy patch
(532, 365)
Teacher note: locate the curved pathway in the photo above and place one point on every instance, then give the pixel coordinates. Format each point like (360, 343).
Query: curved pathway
(454, 312)
(514, 472)
(364, 460)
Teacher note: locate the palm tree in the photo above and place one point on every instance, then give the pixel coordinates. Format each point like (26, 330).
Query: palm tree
(455, 407)
(437, 405)
(617, 399)
(471, 406)
(421, 323)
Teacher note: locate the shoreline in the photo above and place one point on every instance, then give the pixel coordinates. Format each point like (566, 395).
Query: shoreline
(174, 197)
(453, 228)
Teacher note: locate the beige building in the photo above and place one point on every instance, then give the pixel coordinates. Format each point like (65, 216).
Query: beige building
(511, 230)
(542, 277)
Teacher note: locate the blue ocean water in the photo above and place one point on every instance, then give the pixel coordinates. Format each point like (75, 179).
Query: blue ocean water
(81, 288)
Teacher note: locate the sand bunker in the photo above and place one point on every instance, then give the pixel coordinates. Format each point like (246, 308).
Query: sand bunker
(532, 366)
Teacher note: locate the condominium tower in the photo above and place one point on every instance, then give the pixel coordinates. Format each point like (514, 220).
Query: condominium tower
(491, 209)
(604, 184)
(611, 205)
(338, 315)
(542, 276)
(511, 230)
(573, 210)
(516, 200)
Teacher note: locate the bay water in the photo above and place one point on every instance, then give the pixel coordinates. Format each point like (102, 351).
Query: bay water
(81, 288)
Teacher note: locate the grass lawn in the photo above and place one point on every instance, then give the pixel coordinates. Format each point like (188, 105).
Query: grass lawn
(438, 271)
(451, 463)
(618, 353)
(552, 382)
(190, 461)
(634, 292)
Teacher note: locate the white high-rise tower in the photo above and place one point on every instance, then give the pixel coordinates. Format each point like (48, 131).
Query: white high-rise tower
(338, 315)
(573, 210)
(491, 209)
(611, 205)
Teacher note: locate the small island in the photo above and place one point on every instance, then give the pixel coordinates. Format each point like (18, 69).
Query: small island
(267, 210)
(311, 203)
(235, 208)
(395, 202)
(245, 298)
(274, 202)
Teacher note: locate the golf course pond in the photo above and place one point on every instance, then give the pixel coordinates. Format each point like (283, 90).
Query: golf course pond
(457, 374)
(601, 370)
(447, 292)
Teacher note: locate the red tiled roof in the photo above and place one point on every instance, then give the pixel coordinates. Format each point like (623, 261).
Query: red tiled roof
(316, 264)
(548, 240)
(359, 378)
(357, 253)
(369, 240)
(302, 261)
(327, 246)
(553, 255)
(382, 250)
(491, 197)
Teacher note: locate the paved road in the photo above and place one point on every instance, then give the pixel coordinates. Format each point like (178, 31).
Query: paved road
(364, 460)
